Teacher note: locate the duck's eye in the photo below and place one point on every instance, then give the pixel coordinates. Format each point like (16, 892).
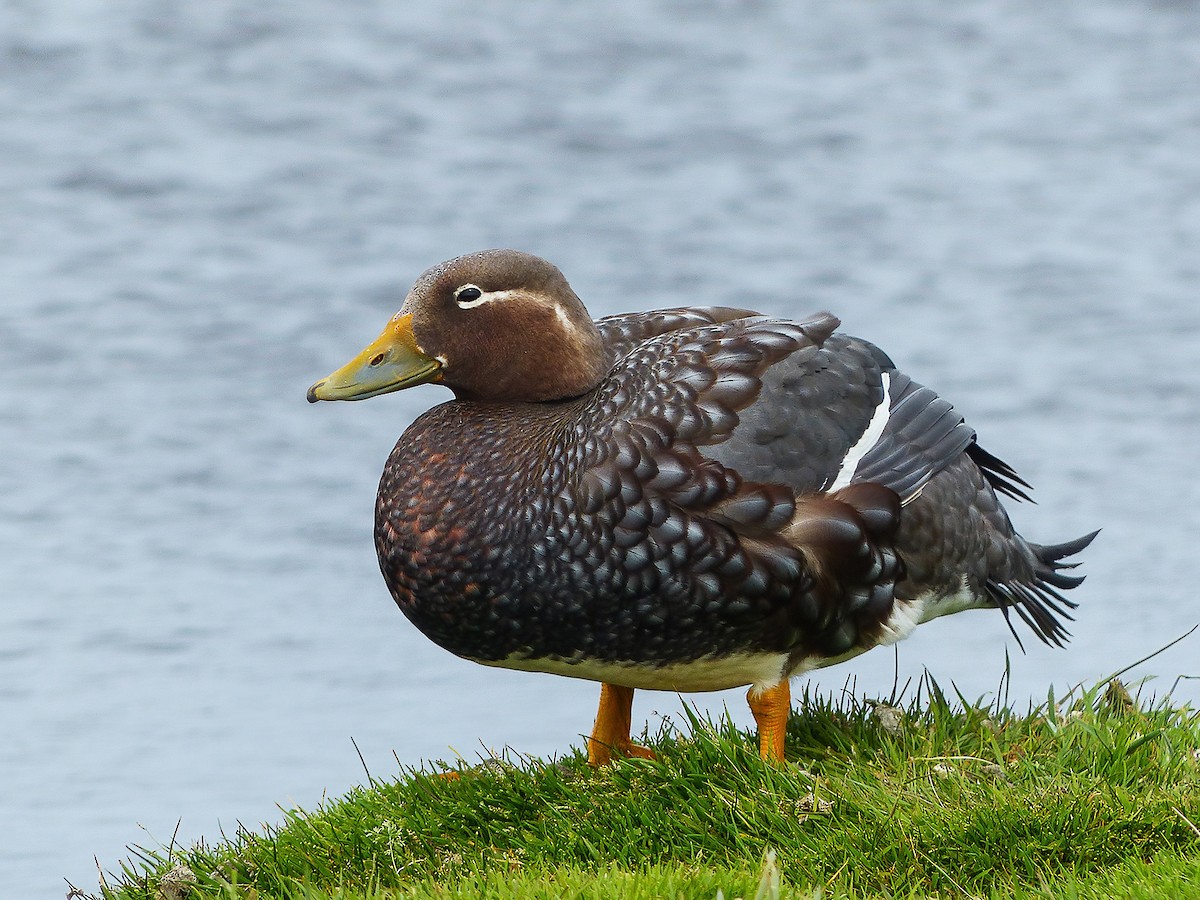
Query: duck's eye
(467, 294)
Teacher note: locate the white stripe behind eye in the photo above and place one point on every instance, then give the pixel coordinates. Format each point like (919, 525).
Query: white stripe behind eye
(485, 297)
(870, 437)
(488, 297)
(563, 319)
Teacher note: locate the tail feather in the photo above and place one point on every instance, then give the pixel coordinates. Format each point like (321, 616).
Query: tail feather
(1038, 603)
(1000, 475)
(1052, 554)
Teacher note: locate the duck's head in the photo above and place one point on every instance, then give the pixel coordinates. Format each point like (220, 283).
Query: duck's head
(498, 325)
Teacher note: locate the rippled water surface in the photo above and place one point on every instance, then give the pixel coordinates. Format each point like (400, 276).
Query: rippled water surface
(207, 206)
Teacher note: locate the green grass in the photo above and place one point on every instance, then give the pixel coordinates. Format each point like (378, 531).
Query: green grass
(1090, 798)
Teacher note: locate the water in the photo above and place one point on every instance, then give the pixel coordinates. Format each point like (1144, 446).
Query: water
(208, 206)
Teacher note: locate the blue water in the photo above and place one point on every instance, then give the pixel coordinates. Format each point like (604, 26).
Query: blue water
(208, 206)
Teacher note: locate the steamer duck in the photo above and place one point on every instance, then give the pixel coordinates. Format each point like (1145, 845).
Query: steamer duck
(688, 499)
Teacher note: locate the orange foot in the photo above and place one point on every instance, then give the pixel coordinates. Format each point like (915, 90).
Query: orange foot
(771, 708)
(610, 735)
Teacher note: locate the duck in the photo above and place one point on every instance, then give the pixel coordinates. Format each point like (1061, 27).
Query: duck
(686, 499)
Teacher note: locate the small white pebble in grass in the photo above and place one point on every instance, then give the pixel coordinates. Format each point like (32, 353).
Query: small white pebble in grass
(176, 883)
(494, 765)
(942, 770)
(808, 805)
(891, 719)
(811, 803)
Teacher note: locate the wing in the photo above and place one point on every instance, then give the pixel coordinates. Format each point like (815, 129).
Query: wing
(621, 333)
(844, 415)
(666, 515)
(681, 389)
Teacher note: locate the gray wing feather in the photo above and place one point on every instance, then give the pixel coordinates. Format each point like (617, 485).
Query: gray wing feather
(924, 434)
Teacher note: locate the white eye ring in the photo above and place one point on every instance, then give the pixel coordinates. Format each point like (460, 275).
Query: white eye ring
(469, 296)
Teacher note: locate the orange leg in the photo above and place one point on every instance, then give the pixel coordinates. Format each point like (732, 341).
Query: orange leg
(771, 708)
(610, 734)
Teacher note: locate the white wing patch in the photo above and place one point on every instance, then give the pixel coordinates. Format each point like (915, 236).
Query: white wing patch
(870, 437)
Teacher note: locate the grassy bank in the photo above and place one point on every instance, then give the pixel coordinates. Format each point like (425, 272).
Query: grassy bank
(1094, 797)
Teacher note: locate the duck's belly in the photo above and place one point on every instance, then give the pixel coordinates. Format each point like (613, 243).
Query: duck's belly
(758, 669)
(761, 669)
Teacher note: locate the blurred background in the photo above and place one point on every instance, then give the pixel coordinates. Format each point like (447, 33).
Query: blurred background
(209, 206)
